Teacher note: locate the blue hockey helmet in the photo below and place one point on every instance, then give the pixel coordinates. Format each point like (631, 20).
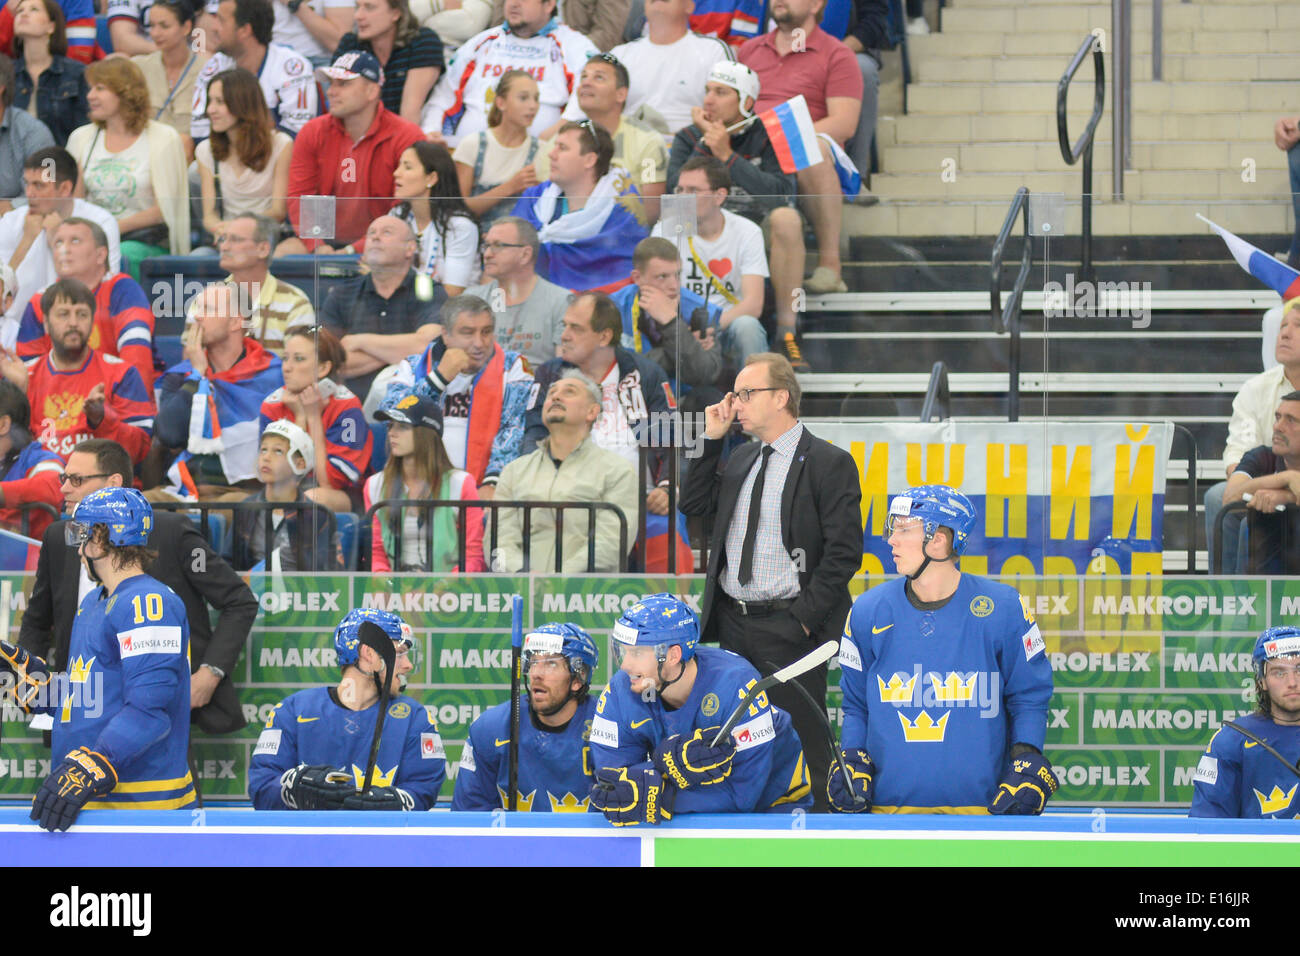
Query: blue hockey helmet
(659, 621)
(1273, 643)
(938, 506)
(347, 636)
(569, 640)
(123, 511)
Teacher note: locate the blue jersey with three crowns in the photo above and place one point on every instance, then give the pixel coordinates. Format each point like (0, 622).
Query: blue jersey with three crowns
(1238, 778)
(554, 764)
(768, 773)
(127, 694)
(311, 727)
(936, 696)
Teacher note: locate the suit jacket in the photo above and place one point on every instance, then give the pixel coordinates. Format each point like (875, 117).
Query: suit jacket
(185, 564)
(821, 517)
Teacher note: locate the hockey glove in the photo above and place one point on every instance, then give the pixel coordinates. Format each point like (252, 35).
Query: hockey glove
(381, 798)
(1027, 785)
(691, 762)
(30, 675)
(315, 788)
(628, 796)
(82, 776)
(862, 773)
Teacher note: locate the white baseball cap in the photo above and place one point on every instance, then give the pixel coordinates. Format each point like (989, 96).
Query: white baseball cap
(300, 443)
(740, 78)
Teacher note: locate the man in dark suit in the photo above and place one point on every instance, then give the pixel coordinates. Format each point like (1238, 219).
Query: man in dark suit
(185, 564)
(786, 539)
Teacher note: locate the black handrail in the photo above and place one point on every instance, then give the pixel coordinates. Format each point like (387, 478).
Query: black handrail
(1181, 431)
(1229, 507)
(1083, 146)
(1007, 318)
(937, 395)
(25, 511)
(304, 544)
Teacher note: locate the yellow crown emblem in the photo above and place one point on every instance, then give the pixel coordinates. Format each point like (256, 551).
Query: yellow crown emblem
(954, 688)
(896, 691)
(567, 803)
(377, 777)
(1275, 801)
(525, 804)
(79, 672)
(923, 729)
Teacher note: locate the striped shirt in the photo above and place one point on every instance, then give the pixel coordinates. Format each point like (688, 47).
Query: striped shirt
(775, 574)
(280, 307)
(425, 49)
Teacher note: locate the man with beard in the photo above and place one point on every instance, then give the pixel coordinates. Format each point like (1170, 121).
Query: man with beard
(76, 391)
(554, 774)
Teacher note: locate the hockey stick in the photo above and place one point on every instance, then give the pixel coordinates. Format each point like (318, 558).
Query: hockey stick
(1249, 736)
(516, 674)
(830, 735)
(373, 636)
(804, 664)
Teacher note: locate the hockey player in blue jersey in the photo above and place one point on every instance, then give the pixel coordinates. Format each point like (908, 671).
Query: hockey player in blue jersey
(122, 712)
(554, 760)
(1236, 776)
(651, 738)
(945, 679)
(313, 752)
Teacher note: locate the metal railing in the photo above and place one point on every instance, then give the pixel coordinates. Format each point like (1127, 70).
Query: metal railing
(938, 399)
(1083, 145)
(1189, 440)
(1006, 318)
(304, 545)
(25, 515)
(1287, 517)
(493, 507)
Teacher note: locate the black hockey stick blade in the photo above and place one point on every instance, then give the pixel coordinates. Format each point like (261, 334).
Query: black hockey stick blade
(804, 664)
(374, 637)
(1251, 737)
(830, 735)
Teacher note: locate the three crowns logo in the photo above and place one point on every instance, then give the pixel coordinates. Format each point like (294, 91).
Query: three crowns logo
(896, 691)
(924, 729)
(566, 804)
(1276, 800)
(377, 777)
(953, 688)
(524, 803)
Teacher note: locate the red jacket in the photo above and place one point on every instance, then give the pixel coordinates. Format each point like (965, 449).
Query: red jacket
(327, 163)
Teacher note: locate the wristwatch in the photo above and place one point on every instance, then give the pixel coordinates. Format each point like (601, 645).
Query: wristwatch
(216, 670)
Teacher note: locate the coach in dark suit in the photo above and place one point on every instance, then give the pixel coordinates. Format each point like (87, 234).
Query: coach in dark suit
(786, 539)
(185, 564)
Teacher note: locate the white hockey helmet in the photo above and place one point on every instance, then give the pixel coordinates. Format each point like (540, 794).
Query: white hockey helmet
(740, 78)
(300, 443)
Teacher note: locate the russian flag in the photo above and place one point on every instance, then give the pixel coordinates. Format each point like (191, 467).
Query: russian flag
(790, 128)
(1278, 276)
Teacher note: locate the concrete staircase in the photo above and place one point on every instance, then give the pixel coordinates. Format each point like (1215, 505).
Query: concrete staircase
(982, 108)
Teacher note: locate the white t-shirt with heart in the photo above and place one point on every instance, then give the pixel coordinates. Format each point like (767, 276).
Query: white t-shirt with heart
(736, 252)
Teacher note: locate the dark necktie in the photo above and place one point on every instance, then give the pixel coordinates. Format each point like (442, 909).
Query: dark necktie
(751, 528)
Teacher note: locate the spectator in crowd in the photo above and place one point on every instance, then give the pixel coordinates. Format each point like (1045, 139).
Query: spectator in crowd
(567, 465)
(669, 324)
(482, 389)
(724, 262)
(78, 391)
(185, 563)
(667, 67)
(760, 191)
(587, 215)
(328, 413)
(350, 154)
(244, 164)
(27, 233)
(868, 37)
(312, 27)
(1263, 477)
(425, 182)
(79, 17)
(413, 539)
(602, 23)
(243, 39)
(229, 374)
(133, 166)
(32, 473)
(1251, 425)
(638, 146)
(123, 317)
(301, 539)
(455, 21)
(381, 317)
(796, 58)
(529, 310)
(409, 55)
(129, 23)
(635, 395)
(172, 70)
(793, 561)
(531, 35)
(21, 134)
(496, 164)
(274, 306)
(48, 84)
